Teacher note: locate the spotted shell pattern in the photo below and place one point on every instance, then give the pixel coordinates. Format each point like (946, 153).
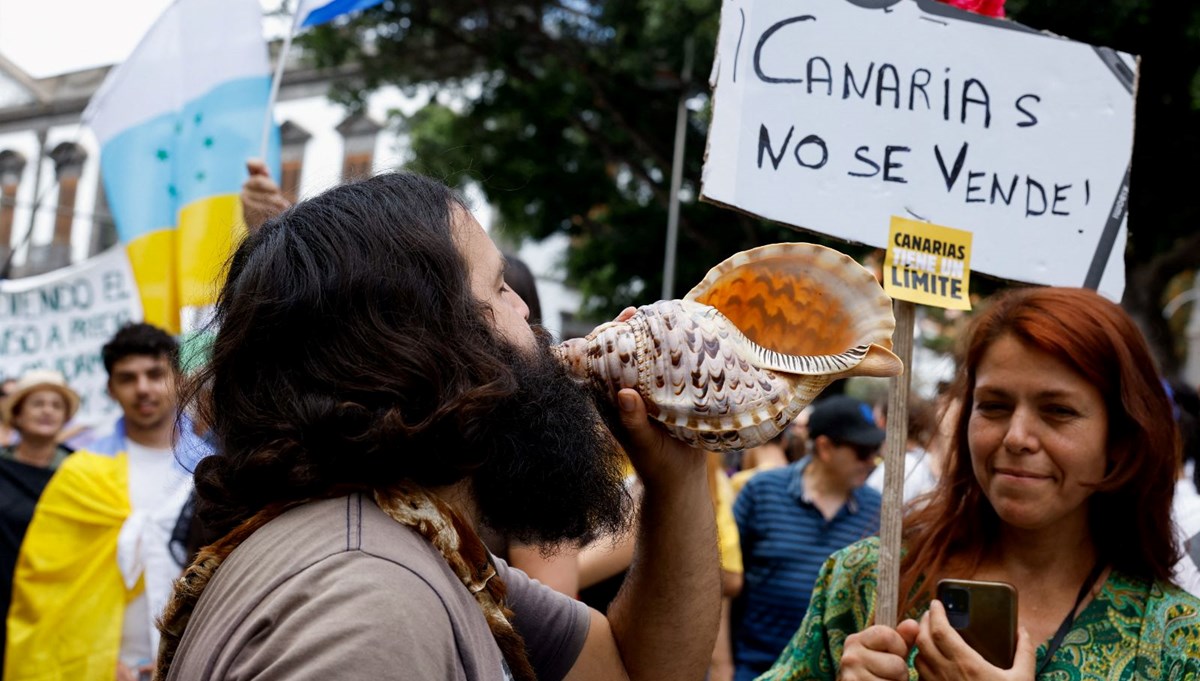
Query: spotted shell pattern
(733, 362)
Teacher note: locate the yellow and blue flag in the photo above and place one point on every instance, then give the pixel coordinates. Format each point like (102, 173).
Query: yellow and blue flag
(176, 122)
(68, 597)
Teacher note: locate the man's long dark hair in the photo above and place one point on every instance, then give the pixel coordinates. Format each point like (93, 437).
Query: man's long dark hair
(350, 350)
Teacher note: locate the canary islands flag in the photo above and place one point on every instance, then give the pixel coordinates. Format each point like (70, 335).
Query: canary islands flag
(176, 122)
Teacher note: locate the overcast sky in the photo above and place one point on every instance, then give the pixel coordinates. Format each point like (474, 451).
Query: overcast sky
(46, 38)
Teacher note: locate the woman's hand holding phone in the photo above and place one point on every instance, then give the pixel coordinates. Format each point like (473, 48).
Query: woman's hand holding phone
(878, 652)
(944, 655)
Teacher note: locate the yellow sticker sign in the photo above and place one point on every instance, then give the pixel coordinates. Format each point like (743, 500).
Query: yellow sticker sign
(928, 264)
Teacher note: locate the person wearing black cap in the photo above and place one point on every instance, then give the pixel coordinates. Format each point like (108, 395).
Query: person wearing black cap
(792, 519)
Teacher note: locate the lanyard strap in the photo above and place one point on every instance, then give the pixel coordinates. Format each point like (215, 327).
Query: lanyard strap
(1065, 627)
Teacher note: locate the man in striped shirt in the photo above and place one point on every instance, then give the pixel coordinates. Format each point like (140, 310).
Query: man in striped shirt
(791, 519)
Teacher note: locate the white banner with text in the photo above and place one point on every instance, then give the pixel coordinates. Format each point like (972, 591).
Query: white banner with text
(61, 319)
(835, 115)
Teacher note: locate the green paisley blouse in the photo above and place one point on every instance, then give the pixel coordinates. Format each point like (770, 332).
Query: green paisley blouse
(1133, 629)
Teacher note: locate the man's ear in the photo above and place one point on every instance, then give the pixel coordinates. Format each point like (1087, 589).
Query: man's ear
(822, 446)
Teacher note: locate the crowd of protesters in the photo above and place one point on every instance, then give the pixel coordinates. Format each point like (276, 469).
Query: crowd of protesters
(91, 543)
(353, 455)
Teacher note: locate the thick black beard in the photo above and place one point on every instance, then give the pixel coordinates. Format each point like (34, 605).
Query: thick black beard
(554, 474)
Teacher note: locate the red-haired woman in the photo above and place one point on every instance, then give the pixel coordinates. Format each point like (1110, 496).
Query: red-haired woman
(1059, 482)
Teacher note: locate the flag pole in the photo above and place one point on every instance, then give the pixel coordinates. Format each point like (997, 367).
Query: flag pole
(685, 81)
(276, 80)
(888, 596)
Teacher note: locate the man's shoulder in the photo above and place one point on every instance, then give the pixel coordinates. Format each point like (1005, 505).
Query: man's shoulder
(86, 465)
(109, 444)
(869, 499)
(771, 481)
(304, 589)
(313, 547)
(346, 524)
(349, 535)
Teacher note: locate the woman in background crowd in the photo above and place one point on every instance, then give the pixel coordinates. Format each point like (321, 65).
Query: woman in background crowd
(1059, 482)
(37, 410)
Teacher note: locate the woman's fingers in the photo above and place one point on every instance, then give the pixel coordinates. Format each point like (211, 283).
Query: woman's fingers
(908, 630)
(944, 655)
(929, 654)
(1025, 661)
(947, 639)
(877, 652)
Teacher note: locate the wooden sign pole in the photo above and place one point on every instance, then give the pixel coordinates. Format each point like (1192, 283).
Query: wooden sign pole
(887, 597)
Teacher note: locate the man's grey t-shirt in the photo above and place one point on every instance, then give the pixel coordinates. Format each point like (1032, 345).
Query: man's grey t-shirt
(336, 589)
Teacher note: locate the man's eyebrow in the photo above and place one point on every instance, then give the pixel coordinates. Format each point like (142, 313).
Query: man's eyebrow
(499, 278)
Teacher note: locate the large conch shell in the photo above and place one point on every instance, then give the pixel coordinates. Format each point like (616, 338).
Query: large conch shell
(733, 362)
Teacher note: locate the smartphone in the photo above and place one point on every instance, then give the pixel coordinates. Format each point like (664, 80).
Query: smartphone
(985, 615)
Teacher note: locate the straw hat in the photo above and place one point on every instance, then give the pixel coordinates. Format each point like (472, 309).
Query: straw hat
(38, 379)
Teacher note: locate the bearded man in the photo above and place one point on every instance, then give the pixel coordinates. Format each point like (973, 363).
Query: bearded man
(376, 394)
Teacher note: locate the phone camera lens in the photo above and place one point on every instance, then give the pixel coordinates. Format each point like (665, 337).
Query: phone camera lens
(956, 600)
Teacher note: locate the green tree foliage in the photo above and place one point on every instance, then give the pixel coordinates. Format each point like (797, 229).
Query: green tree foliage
(563, 112)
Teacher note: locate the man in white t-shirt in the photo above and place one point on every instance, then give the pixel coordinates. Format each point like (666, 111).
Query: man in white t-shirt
(125, 496)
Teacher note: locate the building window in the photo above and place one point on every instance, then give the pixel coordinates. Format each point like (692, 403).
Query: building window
(358, 134)
(12, 164)
(292, 141)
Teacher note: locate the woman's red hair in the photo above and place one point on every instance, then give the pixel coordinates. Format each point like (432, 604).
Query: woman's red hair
(1130, 511)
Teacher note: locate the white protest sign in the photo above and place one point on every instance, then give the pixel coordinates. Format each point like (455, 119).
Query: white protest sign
(61, 319)
(834, 115)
